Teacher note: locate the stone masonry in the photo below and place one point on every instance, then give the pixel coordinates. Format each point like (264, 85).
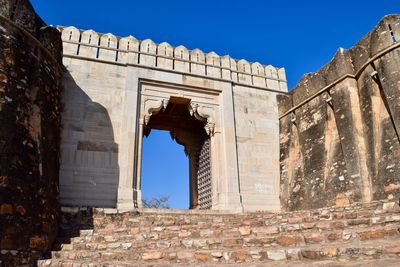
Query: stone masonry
(357, 235)
(30, 126)
(339, 127)
(335, 136)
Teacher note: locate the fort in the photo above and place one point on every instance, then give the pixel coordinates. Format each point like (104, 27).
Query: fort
(278, 177)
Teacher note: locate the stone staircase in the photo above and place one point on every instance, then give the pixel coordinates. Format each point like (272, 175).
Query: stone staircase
(356, 235)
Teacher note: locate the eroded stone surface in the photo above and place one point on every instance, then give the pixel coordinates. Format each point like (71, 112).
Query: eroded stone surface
(343, 146)
(30, 119)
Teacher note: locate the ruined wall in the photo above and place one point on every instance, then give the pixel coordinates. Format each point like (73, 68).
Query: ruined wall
(30, 105)
(339, 127)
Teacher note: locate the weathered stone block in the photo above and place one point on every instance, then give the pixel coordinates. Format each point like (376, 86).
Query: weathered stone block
(276, 255)
(231, 243)
(289, 240)
(6, 209)
(310, 254)
(202, 256)
(329, 252)
(371, 234)
(152, 255)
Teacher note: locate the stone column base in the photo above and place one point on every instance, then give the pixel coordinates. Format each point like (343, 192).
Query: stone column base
(261, 202)
(125, 199)
(229, 202)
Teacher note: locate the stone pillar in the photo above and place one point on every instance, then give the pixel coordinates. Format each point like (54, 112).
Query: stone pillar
(130, 138)
(137, 187)
(224, 156)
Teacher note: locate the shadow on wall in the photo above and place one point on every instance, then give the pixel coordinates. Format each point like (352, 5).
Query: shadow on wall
(72, 221)
(89, 172)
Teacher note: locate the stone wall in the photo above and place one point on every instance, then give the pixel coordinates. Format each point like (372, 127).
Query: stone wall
(257, 137)
(339, 127)
(89, 170)
(30, 106)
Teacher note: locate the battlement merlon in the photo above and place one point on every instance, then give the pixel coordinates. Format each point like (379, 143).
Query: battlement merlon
(130, 51)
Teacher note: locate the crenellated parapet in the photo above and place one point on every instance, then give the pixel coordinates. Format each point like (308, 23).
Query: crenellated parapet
(146, 53)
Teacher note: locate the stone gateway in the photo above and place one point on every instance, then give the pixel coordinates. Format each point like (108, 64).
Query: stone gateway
(117, 89)
(276, 178)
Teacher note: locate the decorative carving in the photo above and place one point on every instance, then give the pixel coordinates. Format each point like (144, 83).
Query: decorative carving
(153, 106)
(165, 103)
(203, 113)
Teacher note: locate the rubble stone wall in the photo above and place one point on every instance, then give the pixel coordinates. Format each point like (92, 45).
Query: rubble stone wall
(339, 127)
(30, 121)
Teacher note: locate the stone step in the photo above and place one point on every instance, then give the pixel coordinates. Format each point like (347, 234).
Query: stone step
(292, 225)
(338, 234)
(252, 219)
(279, 227)
(297, 226)
(246, 237)
(303, 263)
(371, 249)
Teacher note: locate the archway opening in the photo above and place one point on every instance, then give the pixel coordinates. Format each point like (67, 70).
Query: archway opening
(164, 172)
(188, 131)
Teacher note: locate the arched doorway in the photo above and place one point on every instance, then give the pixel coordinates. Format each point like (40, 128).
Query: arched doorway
(165, 169)
(180, 119)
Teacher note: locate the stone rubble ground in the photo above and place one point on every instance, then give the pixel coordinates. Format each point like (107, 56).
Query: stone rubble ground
(357, 235)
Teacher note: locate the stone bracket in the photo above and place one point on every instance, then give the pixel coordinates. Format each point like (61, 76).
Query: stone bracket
(203, 113)
(153, 106)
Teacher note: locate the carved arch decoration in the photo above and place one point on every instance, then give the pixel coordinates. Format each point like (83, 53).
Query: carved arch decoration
(203, 113)
(153, 106)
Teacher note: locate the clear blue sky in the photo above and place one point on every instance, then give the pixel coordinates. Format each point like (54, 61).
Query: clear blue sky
(298, 35)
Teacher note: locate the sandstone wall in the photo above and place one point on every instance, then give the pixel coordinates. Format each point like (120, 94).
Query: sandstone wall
(339, 127)
(30, 105)
(92, 121)
(257, 137)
